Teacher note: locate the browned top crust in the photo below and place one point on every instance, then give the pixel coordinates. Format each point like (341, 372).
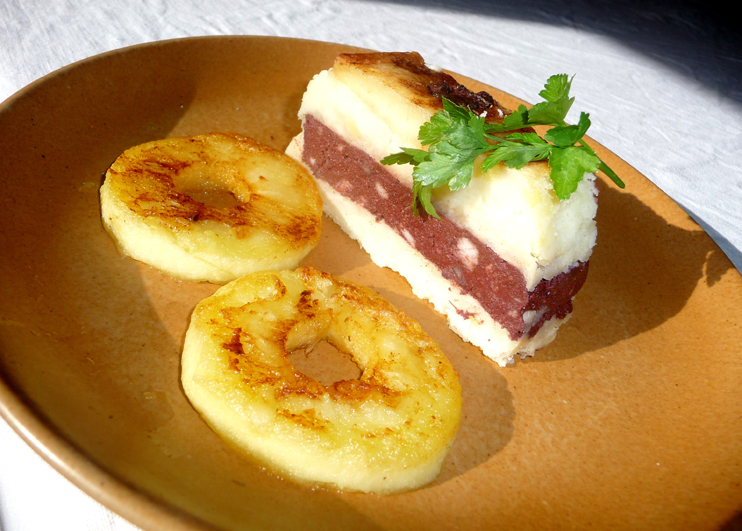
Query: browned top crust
(427, 86)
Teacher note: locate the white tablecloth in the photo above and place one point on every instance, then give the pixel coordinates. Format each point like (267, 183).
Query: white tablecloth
(661, 84)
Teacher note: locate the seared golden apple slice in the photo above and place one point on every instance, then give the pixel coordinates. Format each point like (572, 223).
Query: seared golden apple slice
(387, 431)
(211, 207)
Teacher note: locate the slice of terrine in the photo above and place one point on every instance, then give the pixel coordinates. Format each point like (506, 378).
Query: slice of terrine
(507, 256)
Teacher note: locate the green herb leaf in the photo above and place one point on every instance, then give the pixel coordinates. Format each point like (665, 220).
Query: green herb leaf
(440, 169)
(456, 136)
(434, 131)
(423, 196)
(517, 150)
(556, 88)
(517, 120)
(457, 112)
(406, 156)
(568, 165)
(610, 173)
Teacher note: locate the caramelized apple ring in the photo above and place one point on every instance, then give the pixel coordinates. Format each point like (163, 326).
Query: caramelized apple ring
(387, 431)
(211, 207)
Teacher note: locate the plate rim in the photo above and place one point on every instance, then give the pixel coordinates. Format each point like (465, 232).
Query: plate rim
(111, 491)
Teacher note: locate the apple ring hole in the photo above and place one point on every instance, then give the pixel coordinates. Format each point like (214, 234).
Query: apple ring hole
(212, 186)
(325, 363)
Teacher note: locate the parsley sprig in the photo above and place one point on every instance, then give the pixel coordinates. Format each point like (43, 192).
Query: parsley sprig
(456, 136)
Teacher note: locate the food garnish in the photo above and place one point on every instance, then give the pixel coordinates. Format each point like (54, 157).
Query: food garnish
(456, 137)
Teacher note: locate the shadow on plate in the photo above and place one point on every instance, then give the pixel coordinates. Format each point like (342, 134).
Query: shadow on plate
(642, 272)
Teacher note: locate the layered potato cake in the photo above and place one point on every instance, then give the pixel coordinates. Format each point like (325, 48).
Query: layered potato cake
(507, 256)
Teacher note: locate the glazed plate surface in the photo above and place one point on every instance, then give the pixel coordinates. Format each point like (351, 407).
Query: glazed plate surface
(631, 419)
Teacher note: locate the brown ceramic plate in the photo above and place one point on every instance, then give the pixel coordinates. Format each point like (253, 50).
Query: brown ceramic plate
(631, 419)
